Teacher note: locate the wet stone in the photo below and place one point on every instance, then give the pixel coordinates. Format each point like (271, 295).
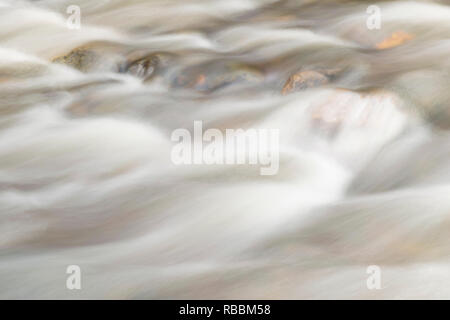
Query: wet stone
(396, 39)
(81, 59)
(304, 80)
(208, 78)
(89, 59)
(144, 68)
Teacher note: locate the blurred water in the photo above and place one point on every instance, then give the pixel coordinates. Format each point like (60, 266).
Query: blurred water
(85, 170)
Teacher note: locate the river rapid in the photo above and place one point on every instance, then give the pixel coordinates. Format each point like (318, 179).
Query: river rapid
(86, 177)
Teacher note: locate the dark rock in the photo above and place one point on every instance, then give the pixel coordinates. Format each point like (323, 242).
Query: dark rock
(144, 68)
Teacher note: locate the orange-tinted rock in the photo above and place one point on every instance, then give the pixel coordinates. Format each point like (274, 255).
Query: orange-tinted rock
(208, 78)
(303, 80)
(396, 39)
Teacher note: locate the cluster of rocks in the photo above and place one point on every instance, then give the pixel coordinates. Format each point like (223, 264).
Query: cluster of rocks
(204, 77)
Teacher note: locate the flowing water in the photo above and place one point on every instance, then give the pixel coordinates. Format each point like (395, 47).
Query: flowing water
(86, 176)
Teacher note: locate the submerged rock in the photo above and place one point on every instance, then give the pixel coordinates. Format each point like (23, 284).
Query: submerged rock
(394, 40)
(427, 94)
(147, 65)
(207, 78)
(144, 68)
(303, 80)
